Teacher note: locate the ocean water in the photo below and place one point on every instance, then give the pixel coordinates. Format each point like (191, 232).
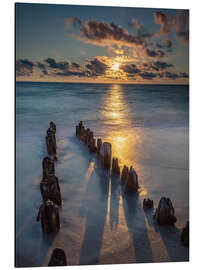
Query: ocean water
(148, 127)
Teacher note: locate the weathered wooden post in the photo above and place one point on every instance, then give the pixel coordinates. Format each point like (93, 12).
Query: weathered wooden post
(51, 139)
(48, 167)
(49, 185)
(164, 213)
(58, 258)
(115, 167)
(50, 190)
(52, 126)
(105, 155)
(185, 235)
(147, 203)
(131, 183)
(124, 174)
(99, 144)
(49, 216)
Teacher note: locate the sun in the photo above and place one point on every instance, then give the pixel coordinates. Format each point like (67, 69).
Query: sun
(116, 66)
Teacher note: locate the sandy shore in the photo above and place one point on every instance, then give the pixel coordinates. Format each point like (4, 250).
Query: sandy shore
(100, 224)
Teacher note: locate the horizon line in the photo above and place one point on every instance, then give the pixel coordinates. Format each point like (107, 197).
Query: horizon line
(90, 82)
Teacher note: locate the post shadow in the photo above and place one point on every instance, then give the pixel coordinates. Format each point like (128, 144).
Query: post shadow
(94, 209)
(170, 236)
(135, 221)
(32, 235)
(114, 202)
(171, 239)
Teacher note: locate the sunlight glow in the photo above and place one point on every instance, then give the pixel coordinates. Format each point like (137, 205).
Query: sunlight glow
(116, 66)
(114, 70)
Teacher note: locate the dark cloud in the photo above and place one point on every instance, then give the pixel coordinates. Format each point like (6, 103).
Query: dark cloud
(148, 75)
(182, 26)
(155, 66)
(49, 67)
(105, 34)
(183, 75)
(58, 65)
(43, 68)
(166, 44)
(171, 75)
(24, 67)
(158, 65)
(130, 68)
(70, 73)
(96, 67)
(75, 65)
(155, 53)
(178, 24)
(64, 68)
(165, 21)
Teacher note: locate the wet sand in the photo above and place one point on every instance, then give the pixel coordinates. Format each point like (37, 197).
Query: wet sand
(100, 224)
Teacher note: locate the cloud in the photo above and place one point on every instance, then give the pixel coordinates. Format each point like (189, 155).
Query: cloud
(178, 24)
(183, 75)
(182, 26)
(24, 67)
(75, 65)
(171, 75)
(154, 66)
(69, 22)
(130, 68)
(155, 53)
(99, 66)
(151, 70)
(60, 65)
(165, 21)
(136, 24)
(148, 75)
(96, 67)
(104, 34)
(160, 65)
(140, 28)
(64, 68)
(43, 68)
(68, 72)
(166, 44)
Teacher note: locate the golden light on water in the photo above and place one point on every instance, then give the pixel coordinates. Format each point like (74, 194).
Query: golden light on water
(125, 139)
(121, 135)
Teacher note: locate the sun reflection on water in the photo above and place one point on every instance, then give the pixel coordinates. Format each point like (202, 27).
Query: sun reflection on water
(125, 138)
(121, 135)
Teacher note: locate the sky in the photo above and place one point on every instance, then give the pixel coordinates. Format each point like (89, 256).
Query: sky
(67, 43)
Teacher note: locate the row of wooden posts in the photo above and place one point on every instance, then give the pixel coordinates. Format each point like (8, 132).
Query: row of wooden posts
(51, 196)
(128, 176)
(164, 213)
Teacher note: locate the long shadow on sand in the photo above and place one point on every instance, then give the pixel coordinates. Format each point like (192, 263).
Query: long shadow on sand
(94, 209)
(32, 235)
(170, 236)
(137, 227)
(114, 202)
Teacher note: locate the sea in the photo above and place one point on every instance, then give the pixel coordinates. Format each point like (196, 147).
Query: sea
(148, 128)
